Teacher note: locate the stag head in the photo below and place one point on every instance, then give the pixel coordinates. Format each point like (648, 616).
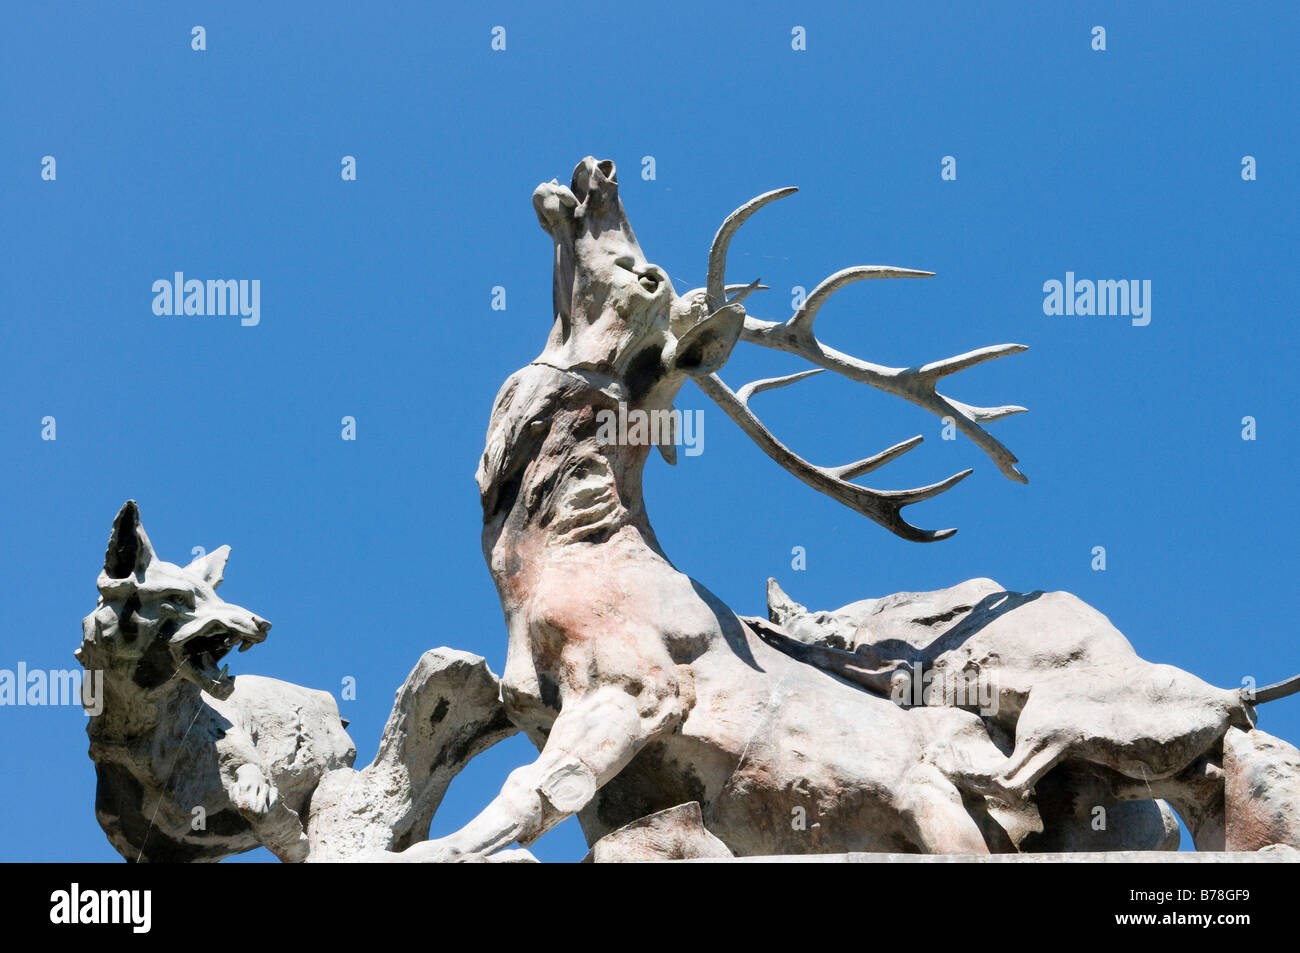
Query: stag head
(615, 312)
(617, 315)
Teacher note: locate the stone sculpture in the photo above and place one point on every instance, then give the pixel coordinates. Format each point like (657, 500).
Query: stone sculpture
(1070, 691)
(193, 764)
(669, 725)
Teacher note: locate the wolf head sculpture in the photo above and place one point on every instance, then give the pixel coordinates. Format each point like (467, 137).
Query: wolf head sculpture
(157, 621)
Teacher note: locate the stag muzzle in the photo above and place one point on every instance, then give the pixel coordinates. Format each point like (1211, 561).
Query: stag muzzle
(588, 206)
(591, 234)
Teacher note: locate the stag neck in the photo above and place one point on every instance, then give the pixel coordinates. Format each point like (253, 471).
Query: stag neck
(556, 469)
(607, 384)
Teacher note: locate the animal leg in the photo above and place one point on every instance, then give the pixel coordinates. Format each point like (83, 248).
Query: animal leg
(965, 754)
(593, 738)
(276, 826)
(939, 821)
(1024, 768)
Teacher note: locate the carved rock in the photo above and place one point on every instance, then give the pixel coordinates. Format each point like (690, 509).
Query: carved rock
(1067, 687)
(447, 711)
(1262, 791)
(965, 721)
(195, 764)
(192, 764)
(677, 833)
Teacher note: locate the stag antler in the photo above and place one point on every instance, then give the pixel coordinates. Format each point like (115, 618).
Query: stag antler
(915, 384)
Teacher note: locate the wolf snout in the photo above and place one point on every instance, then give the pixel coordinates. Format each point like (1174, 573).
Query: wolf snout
(240, 622)
(258, 634)
(252, 632)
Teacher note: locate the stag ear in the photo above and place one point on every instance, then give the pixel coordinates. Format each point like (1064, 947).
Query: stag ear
(705, 347)
(554, 204)
(129, 549)
(211, 566)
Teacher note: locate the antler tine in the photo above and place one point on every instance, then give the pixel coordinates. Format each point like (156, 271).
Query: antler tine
(741, 292)
(771, 383)
(882, 506)
(802, 321)
(914, 384)
(862, 467)
(732, 289)
(715, 282)
(952, 365)
(850, 470)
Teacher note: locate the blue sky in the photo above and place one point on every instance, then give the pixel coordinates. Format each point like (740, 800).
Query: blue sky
(376, 303)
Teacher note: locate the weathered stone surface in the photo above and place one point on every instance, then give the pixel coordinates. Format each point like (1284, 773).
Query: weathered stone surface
(1262, 791)
(194, 764)
(1066, 685)
(675, 834)
(191, 763)
(1280, 856)
(448, 710)
(913, 618)
(1081, 812)
(965, 721)
(641, 689)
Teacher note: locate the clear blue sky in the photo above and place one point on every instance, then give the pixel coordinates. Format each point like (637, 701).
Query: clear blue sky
(376, 294)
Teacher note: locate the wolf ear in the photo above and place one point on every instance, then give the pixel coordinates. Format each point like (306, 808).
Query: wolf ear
(212, 566)
(129, 549)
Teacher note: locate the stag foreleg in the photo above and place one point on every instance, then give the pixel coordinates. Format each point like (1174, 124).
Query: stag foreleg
(593, 738)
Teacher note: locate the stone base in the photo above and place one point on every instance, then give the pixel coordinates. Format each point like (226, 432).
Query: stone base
(1281, 855)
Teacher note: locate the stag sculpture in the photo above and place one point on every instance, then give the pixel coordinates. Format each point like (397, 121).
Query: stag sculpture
(641, 689)
(660, 716)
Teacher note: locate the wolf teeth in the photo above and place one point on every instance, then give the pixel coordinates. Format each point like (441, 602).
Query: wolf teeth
(245, 645)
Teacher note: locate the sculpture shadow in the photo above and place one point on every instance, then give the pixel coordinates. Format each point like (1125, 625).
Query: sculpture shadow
(983, 614)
